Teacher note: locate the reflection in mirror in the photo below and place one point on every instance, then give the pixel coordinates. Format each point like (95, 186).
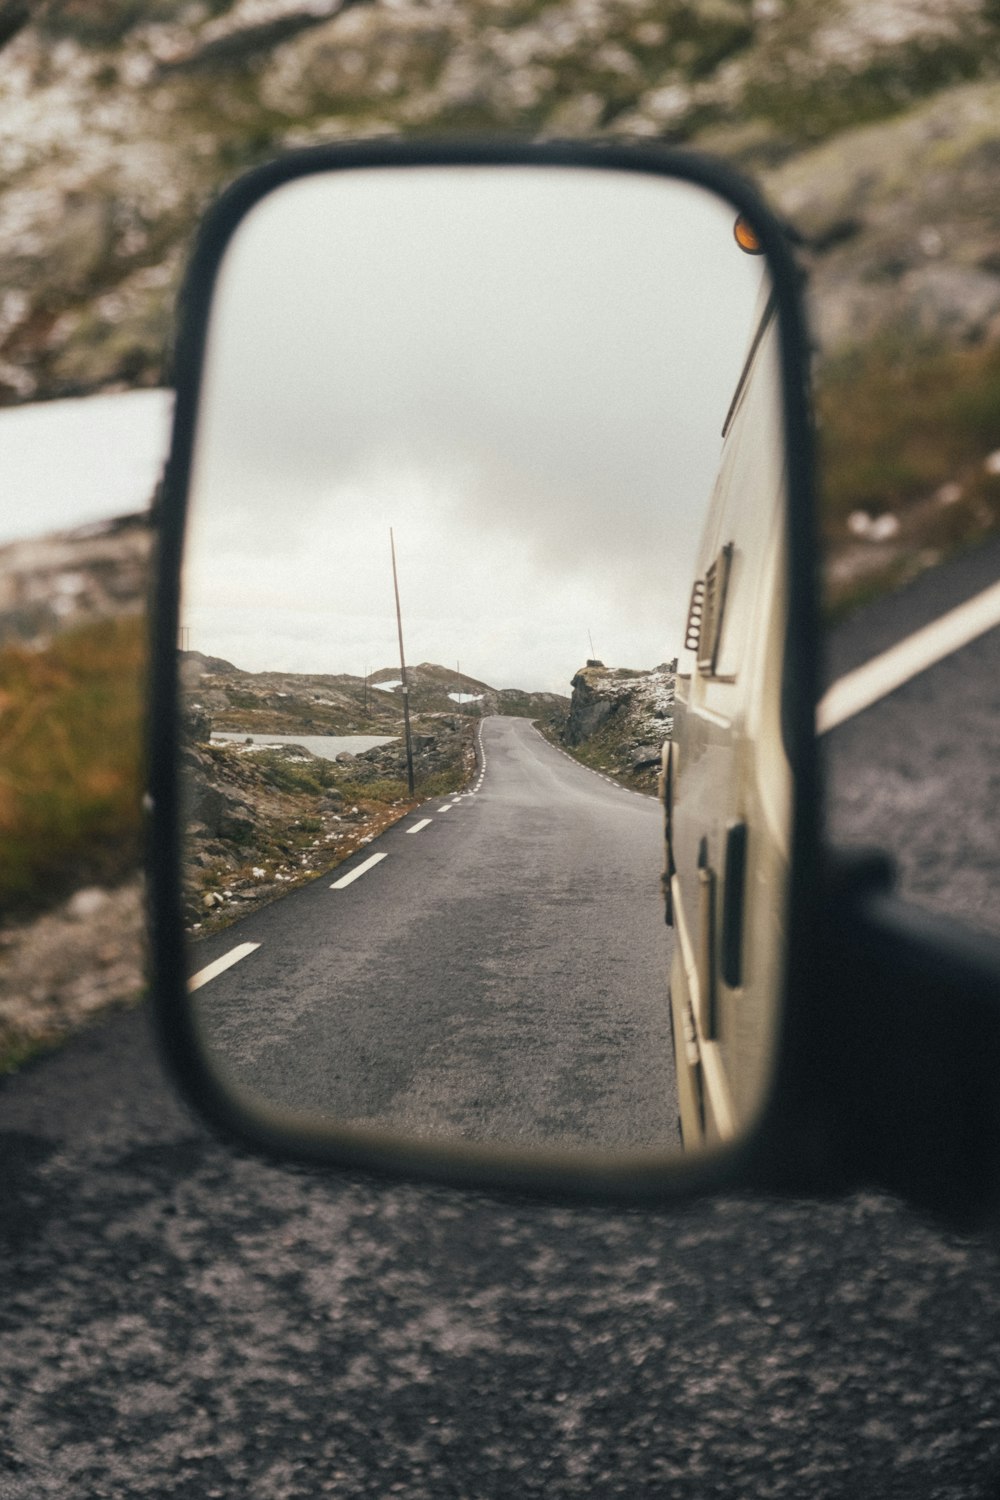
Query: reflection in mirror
(454, 577)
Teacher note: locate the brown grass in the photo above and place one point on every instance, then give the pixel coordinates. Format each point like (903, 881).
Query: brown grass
(906, 431)
(70, 762)
(896, 423)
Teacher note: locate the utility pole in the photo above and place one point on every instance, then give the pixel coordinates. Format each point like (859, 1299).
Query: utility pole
(402, 671)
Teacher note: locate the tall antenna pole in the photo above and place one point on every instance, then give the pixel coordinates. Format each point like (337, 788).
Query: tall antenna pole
(402, 671)
(590, 638)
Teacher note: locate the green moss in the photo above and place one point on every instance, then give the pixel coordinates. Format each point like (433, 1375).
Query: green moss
(443, 782)
(312, 776)
(381, 789)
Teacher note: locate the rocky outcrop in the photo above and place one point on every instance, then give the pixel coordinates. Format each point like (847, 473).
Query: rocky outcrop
(642, 702)
(443, 742)
(618, 720)
(593, 701)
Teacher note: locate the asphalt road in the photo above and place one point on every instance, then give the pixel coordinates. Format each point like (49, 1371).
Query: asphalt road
(918, 774)
(180, 1319)
(497, 970)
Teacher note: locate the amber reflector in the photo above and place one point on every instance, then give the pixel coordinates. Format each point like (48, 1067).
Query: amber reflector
(747, 237)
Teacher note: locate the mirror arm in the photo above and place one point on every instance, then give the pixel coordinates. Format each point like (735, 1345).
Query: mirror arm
(910, 1006)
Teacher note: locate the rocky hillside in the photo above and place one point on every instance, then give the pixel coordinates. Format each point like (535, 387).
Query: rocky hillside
(435, 689)
(339, 703)
(263, 820)
(618, 719)
(874, 128)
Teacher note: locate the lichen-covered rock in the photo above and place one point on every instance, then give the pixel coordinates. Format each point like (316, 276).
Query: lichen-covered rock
(901, 219)
(640, 703)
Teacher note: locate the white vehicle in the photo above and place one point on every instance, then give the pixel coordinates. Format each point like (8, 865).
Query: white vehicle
(726, 778)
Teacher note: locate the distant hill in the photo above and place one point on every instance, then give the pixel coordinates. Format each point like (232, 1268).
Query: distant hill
(340, 703)
(208, 663)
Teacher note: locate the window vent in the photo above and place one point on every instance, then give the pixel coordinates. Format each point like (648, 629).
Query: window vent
(712, 610)
(692, 632)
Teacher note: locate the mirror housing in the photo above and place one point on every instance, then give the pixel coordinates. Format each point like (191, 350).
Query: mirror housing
(807, 1137)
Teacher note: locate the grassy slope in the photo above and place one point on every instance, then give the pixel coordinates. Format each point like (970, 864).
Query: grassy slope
(71, 759)
(906, 432)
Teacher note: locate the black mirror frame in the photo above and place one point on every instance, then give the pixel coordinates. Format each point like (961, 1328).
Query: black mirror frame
(789, 1149)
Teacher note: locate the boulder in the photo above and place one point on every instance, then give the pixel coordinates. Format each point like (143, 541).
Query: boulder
(645, 755)
(195, 724)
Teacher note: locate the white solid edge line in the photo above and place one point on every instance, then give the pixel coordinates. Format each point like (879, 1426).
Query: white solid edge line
(211, 971)
(338, 885)
(416, 827)
(857, 690)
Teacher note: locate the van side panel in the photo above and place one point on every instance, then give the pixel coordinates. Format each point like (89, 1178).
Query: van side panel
(731, 786)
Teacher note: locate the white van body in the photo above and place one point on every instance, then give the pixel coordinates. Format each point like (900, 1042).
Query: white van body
(726, 781)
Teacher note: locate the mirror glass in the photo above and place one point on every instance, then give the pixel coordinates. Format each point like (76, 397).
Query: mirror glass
(485, 514)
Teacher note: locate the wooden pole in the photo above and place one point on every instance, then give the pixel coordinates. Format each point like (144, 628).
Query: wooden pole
(402, 671)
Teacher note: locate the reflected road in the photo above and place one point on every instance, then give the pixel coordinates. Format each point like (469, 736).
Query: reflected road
(493, 967)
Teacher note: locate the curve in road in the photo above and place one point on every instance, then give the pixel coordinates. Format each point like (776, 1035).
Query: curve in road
(494, 968)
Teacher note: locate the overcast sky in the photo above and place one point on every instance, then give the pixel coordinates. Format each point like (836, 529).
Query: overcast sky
(523, 371)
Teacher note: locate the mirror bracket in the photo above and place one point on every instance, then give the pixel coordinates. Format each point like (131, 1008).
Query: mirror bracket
(910, 1009)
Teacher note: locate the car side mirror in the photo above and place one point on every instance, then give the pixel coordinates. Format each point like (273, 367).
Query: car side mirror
(505, 408)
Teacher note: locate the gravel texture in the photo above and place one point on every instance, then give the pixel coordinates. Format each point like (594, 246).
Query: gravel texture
(182, 1319)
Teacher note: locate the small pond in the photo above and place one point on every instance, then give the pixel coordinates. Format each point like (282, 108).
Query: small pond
(328, 746)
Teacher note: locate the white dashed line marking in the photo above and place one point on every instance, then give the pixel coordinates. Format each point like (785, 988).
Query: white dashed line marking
(416, 827)
(858, 690)
(211, 971)
(338, 885)
(631, 790)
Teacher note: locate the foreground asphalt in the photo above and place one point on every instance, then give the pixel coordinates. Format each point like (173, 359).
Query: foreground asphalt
(180, 1318)
(917, 774)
